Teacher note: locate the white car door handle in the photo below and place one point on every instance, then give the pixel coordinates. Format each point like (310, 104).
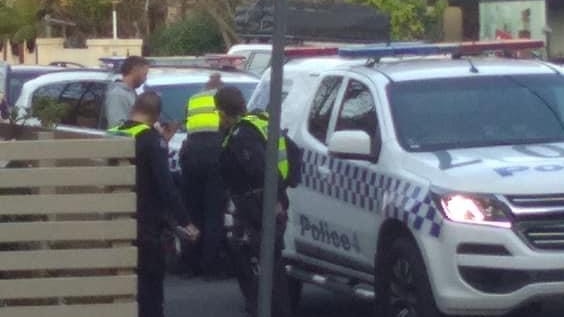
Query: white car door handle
(323, 171)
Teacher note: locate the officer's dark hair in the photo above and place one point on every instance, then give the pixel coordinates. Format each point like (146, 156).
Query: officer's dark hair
(131, 63)
(231, 101)
(148, 103)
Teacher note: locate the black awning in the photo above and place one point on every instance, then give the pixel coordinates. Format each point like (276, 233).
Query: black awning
(333, 23)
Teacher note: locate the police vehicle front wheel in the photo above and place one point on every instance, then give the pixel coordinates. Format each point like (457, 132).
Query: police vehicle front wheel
(402, 283)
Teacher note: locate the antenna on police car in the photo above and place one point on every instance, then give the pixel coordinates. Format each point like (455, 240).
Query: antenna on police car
(473, 68)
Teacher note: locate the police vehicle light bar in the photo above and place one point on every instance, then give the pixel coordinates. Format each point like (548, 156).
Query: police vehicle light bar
(297, 52)
(480, 47)
(214, 61)
(206, 61)
(464, 48)
(224, 60)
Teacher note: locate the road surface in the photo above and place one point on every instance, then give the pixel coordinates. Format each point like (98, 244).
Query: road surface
(194, 297)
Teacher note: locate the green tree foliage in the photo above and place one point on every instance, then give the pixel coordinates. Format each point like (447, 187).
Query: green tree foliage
(18, 20)
(49, 111)
(223, 14)
(412, 19)
(92, 17)
(195, 35)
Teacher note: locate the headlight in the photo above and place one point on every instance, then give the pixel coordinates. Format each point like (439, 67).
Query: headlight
(475, 209)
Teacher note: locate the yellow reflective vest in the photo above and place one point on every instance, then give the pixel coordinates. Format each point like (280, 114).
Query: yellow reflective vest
(261, 124)
(201, 113)
(131, 131)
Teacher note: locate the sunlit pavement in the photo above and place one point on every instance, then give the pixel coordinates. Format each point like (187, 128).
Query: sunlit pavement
(198, 298)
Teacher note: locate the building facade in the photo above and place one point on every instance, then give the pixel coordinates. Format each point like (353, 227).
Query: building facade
(513, 19)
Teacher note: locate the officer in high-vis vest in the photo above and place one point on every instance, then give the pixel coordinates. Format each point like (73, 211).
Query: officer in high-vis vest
(242, 168)
(158, 201)
(203, 191)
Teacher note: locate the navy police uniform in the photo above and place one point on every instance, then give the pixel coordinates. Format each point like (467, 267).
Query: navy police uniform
(242, 168)
(203, 189)
(158, 205)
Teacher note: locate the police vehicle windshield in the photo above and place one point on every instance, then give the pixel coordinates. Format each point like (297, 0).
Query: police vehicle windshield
(440, 114)
(261, 99)
(175, 97)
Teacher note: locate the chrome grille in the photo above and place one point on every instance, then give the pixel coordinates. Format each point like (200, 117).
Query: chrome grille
(539, 219)
(535, 204)
(537, 201)
(544, 235)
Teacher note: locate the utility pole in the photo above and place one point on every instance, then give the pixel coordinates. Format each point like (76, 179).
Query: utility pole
(270, 198)
(147, 18)
(114, 18)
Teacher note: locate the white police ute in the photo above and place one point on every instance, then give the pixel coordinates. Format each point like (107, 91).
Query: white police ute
(434, 185)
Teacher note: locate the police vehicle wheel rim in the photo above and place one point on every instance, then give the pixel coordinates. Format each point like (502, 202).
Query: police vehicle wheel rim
(403, 296)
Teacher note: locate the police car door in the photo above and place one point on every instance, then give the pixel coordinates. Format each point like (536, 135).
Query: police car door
(353, 196)
(315, 233)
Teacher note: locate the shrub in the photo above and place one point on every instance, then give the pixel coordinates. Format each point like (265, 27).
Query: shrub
(195, 35)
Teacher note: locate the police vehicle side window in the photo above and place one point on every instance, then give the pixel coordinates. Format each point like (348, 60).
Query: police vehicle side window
(358, 111)
(322, 107)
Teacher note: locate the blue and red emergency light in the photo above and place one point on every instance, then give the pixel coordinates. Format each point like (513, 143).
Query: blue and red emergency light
(464, 48)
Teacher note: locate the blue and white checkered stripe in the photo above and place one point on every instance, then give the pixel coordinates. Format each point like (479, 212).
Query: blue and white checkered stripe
(374, 192)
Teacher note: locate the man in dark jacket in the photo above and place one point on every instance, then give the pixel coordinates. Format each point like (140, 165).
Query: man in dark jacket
(242, 165)
(158, 201)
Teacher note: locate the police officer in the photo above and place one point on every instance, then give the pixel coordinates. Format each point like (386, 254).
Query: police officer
(156, 195)
(203, 189)
(242, 166)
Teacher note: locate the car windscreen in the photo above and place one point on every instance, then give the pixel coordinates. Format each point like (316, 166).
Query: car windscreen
(261, 99)
(440, 114)
(175, 97)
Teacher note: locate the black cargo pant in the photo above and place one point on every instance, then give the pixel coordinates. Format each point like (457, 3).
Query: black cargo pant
(150, 273)
(245, 256)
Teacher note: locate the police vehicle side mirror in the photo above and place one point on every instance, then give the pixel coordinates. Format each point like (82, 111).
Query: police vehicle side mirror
(352, 144)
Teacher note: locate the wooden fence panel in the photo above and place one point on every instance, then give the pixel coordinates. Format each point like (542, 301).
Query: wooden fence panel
(101, 203)
(67, 226)
(102, 310)
(68, 287)
(68, 231)
(66, 149)
(109, 258)
(67, 176)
